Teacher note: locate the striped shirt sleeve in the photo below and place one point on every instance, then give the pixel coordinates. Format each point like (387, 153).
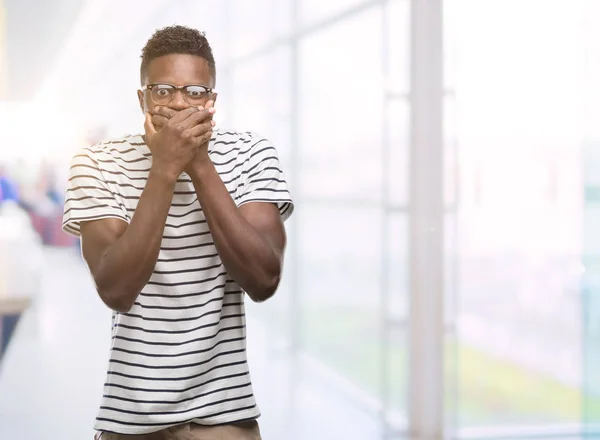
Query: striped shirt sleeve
(88, 196)
(264, 180)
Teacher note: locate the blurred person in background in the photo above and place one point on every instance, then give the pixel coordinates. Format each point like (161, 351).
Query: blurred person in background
(176, 225)
(8, 186)
(47, 208)
(49, 185)
(40, 197)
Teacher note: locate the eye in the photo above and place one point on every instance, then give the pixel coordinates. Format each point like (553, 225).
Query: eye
(196, 91)
(162, 93)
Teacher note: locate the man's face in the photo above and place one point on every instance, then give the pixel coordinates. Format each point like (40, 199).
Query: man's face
(177, 70)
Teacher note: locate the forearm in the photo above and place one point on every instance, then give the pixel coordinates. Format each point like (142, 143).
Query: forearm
(128, 263)
(246, 254)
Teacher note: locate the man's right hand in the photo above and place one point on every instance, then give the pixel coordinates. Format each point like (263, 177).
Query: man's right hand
(175, 144)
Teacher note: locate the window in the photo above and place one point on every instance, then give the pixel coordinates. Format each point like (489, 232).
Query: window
(518, 344)
(341, 110)
(312, 11)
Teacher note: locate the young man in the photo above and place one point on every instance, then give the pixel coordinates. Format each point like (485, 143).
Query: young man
(175, 226)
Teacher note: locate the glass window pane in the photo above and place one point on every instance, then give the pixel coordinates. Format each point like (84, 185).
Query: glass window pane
(396, 261)
(496, 66)
(590, 286)
(452, 13)
(396, 313)
(591, 69)
(341, 110)
(519, 230)
(261, 102)
(397, 158)
(451, 269)
(343, 319)
(397, 384)
(250, 25)
(316, 10)
(340, 280)
(397, 16)
(250, 106)
(451, 151)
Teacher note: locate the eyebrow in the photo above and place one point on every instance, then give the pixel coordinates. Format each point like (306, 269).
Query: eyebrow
(173, 85)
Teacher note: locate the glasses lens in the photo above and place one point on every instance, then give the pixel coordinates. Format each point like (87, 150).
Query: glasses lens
(162, 93)
(196, 94)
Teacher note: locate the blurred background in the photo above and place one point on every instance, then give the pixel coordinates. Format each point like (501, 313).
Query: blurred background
(443, 269)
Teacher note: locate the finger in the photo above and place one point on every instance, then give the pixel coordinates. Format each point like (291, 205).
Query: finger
(210, 107)
(199, 117)
(165, 112)
(182, 115)
(159, 121)
(201, 129)
(205, 138)
(148, 126)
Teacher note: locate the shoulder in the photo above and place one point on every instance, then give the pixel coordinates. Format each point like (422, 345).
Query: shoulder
(112, 151)
(119, 146)
(245, 144)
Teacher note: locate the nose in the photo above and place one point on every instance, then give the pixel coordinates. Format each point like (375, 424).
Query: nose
(178, 102)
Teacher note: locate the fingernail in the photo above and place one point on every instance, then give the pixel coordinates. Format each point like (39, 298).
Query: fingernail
(213, 123)
(212, 110)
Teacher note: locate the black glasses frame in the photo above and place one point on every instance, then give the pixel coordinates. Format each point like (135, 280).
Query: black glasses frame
(149, 87)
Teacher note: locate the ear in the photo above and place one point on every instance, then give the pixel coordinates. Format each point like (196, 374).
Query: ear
(141, 99)
(214, 97)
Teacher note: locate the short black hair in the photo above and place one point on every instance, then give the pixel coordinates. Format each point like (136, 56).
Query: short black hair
(177, 40)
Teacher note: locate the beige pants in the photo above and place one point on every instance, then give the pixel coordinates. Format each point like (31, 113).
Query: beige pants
(191, 431)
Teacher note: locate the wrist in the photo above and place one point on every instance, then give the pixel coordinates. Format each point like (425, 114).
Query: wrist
(200, 166)
(163, 175)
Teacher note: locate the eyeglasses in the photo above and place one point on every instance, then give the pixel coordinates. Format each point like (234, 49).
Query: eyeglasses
(162, 94)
